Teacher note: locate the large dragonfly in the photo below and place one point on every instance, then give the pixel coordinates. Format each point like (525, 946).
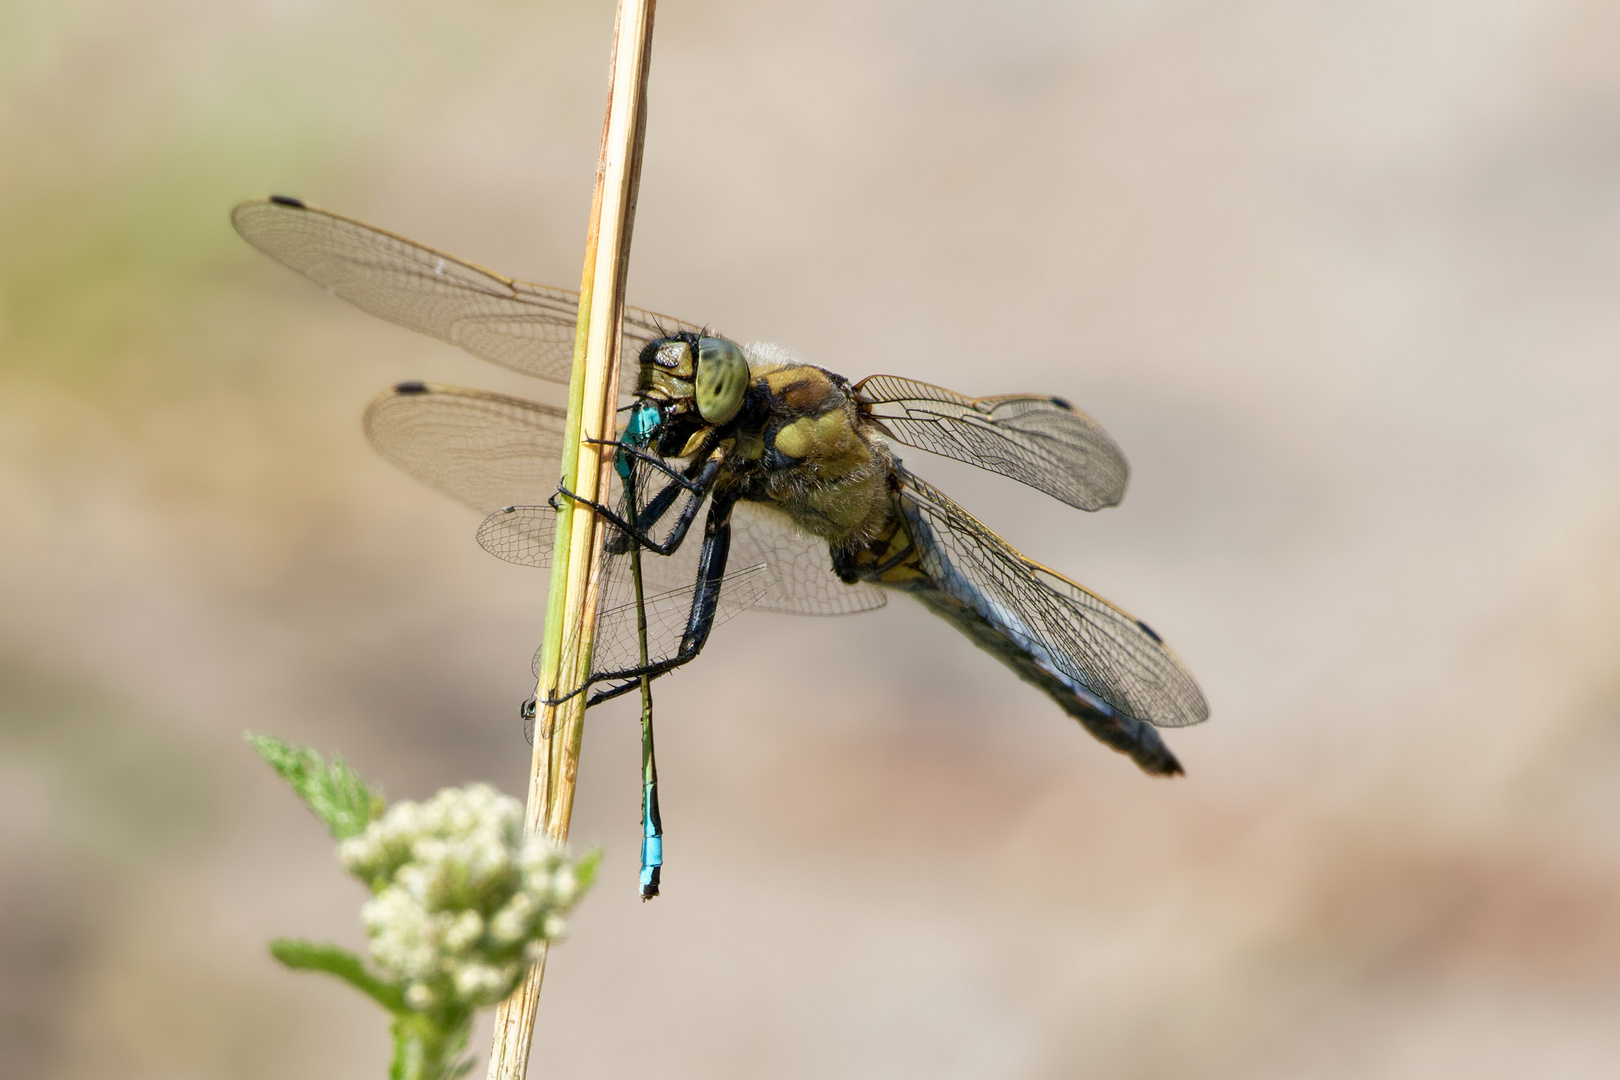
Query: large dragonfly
(793, 464)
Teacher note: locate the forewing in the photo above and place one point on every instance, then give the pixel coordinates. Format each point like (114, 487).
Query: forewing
(502, 456)
(1041, 441)
(525, 327)
(1111, 653)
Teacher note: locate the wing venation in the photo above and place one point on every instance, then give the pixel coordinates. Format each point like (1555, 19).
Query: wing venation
(518, 325)
(501, 455)
(1108, 651)
(1041, 441)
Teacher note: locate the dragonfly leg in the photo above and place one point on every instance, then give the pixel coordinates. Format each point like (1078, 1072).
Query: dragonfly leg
(571, 694)
(700, 619)
(677, 534)
(651, 514)
(679, 477)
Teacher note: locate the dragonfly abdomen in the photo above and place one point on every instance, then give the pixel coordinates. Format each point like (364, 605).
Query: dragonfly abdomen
(1130, 736)
(916, 558)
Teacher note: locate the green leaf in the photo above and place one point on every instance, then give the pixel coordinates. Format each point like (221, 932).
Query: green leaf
(585, 869)
(340, 962)
(334, 792)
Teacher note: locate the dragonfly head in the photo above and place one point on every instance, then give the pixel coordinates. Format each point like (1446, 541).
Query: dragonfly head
(709, 374)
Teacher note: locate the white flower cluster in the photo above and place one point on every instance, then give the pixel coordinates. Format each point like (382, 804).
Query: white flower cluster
(462, 898)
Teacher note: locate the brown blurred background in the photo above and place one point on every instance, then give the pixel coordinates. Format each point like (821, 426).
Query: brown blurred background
(1343, 280)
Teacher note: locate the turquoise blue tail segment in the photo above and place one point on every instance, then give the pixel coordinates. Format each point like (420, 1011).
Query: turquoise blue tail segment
(652, 843)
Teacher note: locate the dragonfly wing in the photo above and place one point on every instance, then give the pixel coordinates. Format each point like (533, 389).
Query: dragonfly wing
(523, 535)
(501, 455)
(1041, 441)
(518, 325)
(617, 646)
(803, 580)
(1114, 655)
(799, 578)
(487, 450)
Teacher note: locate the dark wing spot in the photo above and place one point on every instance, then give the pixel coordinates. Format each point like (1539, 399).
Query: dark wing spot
(287, 200)
(412, 387)
(1152, 633)
(1062, 404)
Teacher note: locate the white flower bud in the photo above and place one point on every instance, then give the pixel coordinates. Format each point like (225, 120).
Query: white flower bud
(439, 866)
(463, 931)
(484, 984)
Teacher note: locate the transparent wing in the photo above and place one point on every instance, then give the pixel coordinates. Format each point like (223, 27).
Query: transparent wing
(491, 451)
(616, 646)
(803, 581)
(486, 450)
(1041, 441)
(523, 535)
(528, 328)
(1113, 654)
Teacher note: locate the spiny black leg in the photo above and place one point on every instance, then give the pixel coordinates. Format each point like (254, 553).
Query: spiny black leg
(664, 547)
(684, 478)
(659, 505)
(705, 603)
(566, 697)
(608, 695)
(650, 515)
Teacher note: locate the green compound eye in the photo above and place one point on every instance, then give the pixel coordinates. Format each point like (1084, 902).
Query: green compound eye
(722, 379)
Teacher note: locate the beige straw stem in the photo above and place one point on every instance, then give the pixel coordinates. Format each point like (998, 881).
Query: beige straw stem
(576, 561)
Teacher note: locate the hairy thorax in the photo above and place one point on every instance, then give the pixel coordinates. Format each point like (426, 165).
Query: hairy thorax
(811, 456)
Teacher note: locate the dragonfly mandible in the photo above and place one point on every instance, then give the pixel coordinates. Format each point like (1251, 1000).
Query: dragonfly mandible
(793, 464)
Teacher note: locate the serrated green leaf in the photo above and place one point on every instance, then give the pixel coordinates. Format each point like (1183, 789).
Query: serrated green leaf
(334, 792)
(341, 963)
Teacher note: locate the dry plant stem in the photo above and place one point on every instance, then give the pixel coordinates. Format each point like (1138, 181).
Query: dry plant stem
(576, 562)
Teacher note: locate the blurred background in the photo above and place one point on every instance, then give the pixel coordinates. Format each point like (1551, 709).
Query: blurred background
(1341, 279)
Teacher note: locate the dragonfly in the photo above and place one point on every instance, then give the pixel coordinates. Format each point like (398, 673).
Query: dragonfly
(791, 467)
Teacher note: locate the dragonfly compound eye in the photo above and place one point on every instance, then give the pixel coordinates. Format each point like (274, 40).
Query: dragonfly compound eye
(722, 379)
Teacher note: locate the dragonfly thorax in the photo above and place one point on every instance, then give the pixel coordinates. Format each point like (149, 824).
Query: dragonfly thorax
(806, 450)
